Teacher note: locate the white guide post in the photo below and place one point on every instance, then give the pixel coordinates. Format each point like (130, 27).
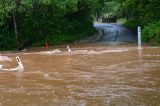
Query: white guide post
(139, 37)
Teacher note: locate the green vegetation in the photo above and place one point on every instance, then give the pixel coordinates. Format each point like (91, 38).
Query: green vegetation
(144, 13)
(33, 22)
(111, 7)
(26, 23)
(151, 33)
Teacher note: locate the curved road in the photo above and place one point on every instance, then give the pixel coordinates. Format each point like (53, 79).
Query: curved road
(115, 33)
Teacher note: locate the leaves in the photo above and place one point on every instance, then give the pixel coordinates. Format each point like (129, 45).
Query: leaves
(38, 18)
(151, 32)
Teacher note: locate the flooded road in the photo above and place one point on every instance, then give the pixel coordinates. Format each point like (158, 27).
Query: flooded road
(89, 75)
(115, 33)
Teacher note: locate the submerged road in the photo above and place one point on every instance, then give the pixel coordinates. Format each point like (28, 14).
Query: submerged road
(88, 75)
(115, 33)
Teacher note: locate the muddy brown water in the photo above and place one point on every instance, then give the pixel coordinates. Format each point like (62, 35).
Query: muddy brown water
(90, 75)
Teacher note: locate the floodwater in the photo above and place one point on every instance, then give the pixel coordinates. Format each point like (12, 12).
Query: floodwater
(89, 75)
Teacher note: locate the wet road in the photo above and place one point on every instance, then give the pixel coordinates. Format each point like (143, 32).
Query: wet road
(90, 75)
(115, 33)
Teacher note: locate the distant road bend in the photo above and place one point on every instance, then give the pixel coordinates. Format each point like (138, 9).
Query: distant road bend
(115, 33)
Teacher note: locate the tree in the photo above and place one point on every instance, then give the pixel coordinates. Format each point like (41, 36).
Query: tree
(9, 9)
(33, 20)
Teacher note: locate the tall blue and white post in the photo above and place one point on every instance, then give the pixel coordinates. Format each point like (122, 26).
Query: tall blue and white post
(139, 37)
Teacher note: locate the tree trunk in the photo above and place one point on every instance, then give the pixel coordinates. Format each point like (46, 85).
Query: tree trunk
(15, 28)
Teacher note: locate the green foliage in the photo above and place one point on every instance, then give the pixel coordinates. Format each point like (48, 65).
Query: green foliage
(64, 38)
(121, 20)
(111, 8)
(132, 24)
(38, 20)
(5, 8)
(151, 32)
(68, 20)
(144, 13)
(7, 39)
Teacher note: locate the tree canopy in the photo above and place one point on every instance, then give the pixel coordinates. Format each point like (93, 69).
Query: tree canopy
(34, 20)
(144, 13)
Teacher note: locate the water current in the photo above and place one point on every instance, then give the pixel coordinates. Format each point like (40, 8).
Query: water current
(88, 75)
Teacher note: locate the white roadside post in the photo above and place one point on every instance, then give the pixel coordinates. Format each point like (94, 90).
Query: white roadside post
(139, 37)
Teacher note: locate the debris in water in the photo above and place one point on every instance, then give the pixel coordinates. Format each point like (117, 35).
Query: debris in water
(68, 48)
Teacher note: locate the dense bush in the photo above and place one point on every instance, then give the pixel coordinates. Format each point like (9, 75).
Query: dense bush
(40, 20)
(151, 32)
(144, 13)
(7, 39)
(64, 38)
(132, 24)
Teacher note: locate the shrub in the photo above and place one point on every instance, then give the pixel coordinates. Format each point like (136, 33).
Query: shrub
(132, 24)
(151, 32)
(7, 40)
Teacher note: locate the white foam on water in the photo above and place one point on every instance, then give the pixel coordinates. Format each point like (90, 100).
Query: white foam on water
(1, 66)
(46, 52)
(46, 76)
(114, 51)
(82, 51)
(34, 72)
(5, 58)
(153, 47)
(50, 52)
(149, 55)
(100, 51)
(19, 68)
